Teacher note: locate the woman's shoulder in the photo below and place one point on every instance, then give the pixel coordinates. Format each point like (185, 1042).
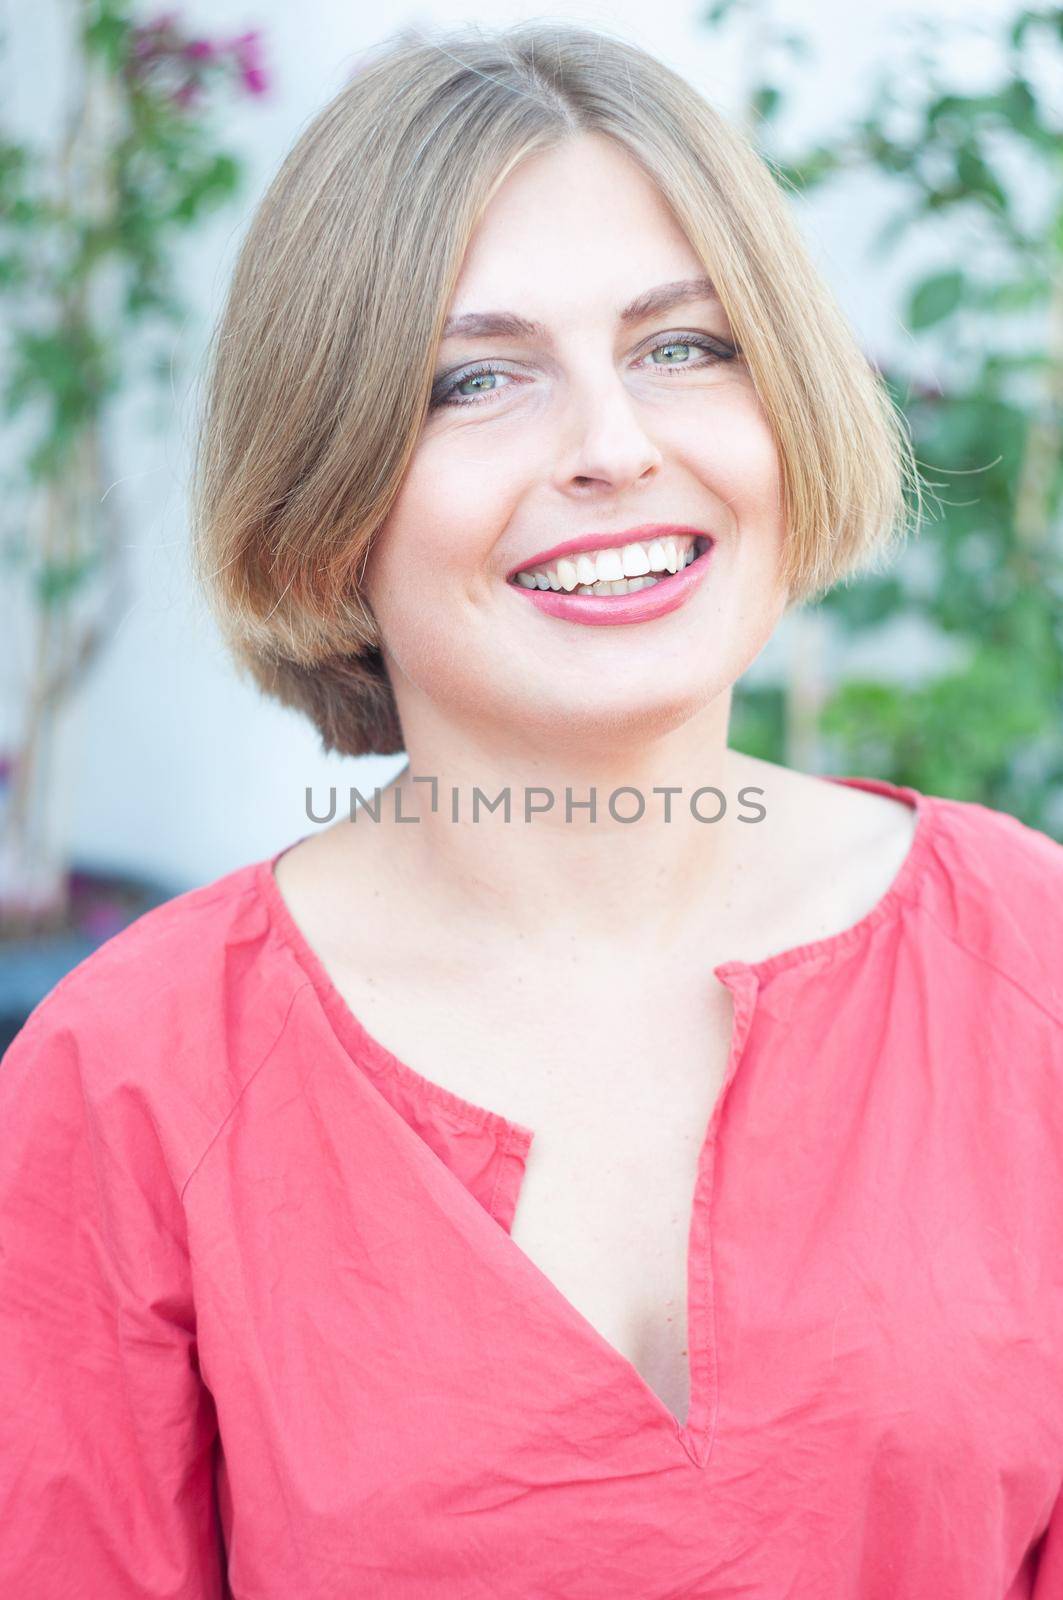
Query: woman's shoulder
(984, 889)
(994, 885)
(994, 848)
(174, 1013)
(167, 952)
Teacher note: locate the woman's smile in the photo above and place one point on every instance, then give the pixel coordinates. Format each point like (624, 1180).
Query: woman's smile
(629, 583)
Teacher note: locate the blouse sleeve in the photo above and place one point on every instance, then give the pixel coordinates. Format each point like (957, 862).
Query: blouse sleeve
(106, 1430)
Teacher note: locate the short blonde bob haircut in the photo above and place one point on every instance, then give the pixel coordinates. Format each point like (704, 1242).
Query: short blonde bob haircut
(313, 407)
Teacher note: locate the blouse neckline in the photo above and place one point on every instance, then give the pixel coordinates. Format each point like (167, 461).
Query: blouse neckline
(901, 890)
(749, 976)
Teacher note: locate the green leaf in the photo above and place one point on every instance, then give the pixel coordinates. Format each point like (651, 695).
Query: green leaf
(934, 299)
(977, 178)
(765, 101)
(1019, 107)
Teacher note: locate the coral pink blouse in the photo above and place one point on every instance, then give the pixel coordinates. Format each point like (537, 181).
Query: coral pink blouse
(264, 1331)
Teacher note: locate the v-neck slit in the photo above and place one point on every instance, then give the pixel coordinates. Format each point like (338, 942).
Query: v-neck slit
(696, 1433)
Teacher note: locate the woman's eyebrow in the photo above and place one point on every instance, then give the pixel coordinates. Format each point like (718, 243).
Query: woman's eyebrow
(508, 325)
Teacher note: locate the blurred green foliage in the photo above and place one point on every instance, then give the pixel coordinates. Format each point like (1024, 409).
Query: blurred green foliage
(90, 220)
(985, 575)
(88, 229)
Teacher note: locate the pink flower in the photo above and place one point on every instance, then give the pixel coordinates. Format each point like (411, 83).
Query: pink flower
(247, 48)
(161, 45)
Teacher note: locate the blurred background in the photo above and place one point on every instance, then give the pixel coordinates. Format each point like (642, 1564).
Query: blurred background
(922, 151)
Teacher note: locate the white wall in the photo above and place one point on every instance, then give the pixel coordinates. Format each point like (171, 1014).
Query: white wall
(172, 766)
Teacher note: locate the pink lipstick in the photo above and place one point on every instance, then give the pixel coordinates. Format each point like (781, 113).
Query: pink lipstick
(669, 592)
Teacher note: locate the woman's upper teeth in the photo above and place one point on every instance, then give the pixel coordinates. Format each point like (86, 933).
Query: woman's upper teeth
(603, 566)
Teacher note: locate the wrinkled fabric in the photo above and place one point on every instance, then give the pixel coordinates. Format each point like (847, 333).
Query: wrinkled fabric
(264, 1331)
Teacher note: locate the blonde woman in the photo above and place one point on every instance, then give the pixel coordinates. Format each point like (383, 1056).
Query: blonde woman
(644, 1186)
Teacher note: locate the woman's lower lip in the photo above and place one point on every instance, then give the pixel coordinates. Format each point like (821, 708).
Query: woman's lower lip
(642, 606)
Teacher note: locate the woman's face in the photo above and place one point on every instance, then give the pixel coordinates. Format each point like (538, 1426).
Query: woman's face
(596, 424)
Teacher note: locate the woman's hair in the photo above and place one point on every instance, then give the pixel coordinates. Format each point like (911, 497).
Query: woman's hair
(323, 358)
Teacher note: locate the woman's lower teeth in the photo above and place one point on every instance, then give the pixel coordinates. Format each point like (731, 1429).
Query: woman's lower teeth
(619, 585)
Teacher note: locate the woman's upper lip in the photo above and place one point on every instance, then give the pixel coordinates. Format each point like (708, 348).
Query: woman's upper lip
(648, 531)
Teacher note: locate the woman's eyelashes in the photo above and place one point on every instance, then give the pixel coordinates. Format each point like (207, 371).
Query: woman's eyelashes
(445, 389)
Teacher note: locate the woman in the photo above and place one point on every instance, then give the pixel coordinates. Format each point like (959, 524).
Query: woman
(649, 1200)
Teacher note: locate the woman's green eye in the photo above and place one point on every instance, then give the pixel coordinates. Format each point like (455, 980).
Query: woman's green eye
(675, 344)
(475, 377)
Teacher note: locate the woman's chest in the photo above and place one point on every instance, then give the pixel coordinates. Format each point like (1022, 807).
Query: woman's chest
(619, 1097)
(607, 1221)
